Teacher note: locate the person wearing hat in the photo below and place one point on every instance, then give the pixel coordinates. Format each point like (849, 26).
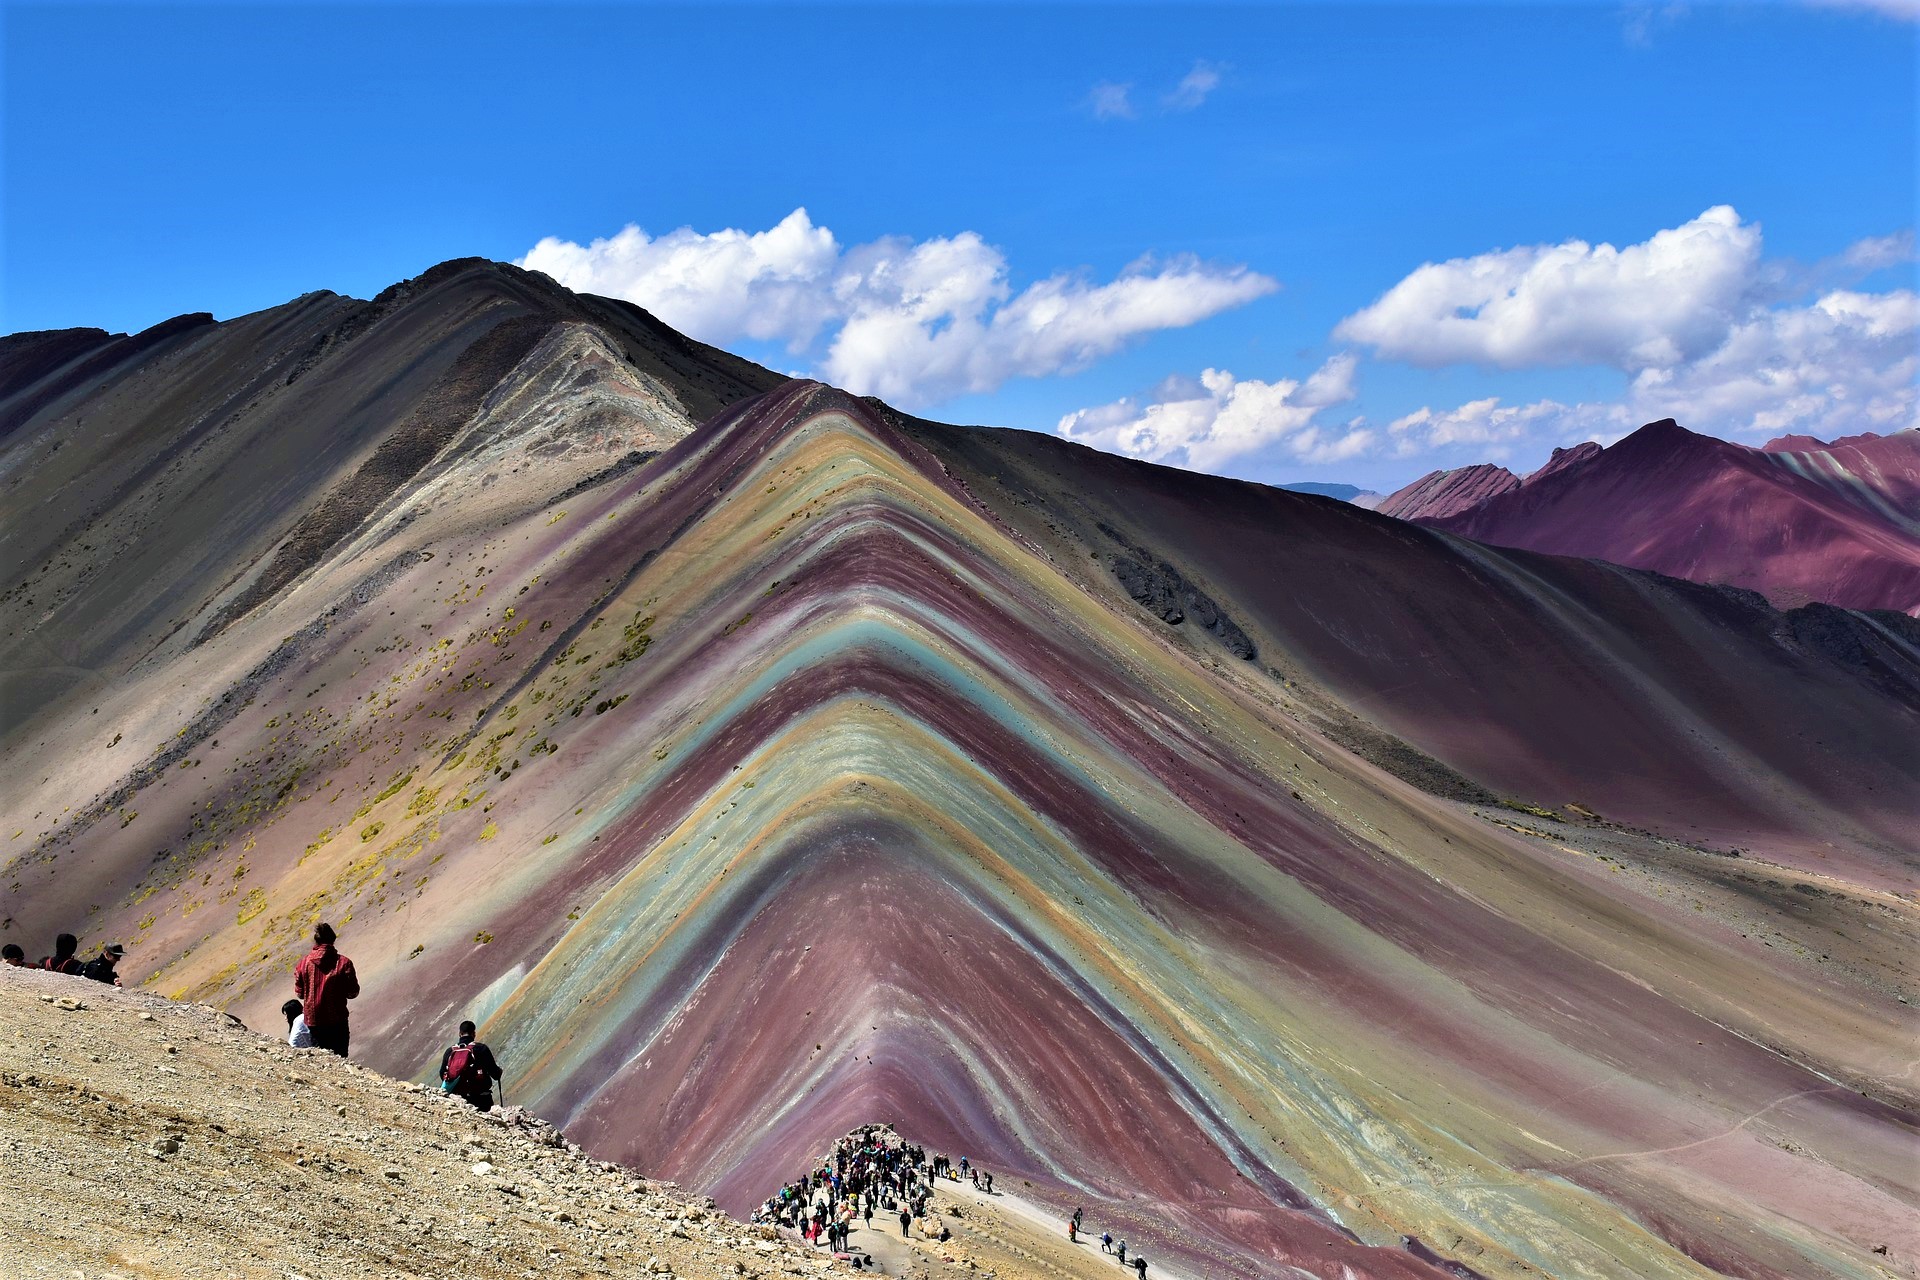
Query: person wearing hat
(100, 968)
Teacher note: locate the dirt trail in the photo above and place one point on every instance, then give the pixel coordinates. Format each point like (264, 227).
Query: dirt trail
(141, 1137)
(144, 1138)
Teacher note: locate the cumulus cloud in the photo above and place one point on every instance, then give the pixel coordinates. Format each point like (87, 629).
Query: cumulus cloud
(1110, 101)
(1194, 87)
(1850, 362)
(1651, 304)
(1204, 423)
(1493, 428)
(715, 286)
(1705, 330)
(914, 322)
(1847, 363)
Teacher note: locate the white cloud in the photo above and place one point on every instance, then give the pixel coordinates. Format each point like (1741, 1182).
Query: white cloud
(1640, 21)
(1653, 304)
(716, 286)
(1493, 428)
(1706, 332)
(1110, 101)
(1206, 423)
(1876, 252)
(1847, 363)
(912, 322)
(1907, 9)
(1194, 87)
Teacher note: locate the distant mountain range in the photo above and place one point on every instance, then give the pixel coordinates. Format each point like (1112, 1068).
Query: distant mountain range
(1344, 492)
(1797, 520)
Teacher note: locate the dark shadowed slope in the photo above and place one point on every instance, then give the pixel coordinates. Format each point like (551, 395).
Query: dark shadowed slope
(158, 485)
(1838, 524)
(832, 768)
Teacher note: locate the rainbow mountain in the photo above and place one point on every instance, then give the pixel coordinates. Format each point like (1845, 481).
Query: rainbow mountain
(1312, 893)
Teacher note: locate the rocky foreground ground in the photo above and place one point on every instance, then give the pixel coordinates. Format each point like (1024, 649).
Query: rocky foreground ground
(141, 1137)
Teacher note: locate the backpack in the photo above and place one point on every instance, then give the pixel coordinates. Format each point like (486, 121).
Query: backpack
(462, 1074)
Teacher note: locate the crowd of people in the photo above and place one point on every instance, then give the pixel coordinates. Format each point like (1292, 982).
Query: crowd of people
(66, 959)
(875, 1171)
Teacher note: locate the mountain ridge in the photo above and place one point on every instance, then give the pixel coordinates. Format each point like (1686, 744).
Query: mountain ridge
(1837, 524)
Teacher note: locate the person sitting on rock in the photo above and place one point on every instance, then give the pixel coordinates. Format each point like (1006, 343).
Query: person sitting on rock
(297, 1034)
(324, 980)
(63, 959)
(100, 968)
(468, 1070)
(12, 956)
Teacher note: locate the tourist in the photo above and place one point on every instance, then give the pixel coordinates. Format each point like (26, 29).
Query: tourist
(63, 959)
(100, 968)
(12, 956)
(468, 1070)
(324, 980)
(297, 1034)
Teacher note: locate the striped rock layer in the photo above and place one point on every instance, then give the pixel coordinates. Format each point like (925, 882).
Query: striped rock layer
(825, 769)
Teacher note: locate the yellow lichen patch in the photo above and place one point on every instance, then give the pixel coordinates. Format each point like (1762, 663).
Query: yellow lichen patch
(489, 831)
(372, 830)
(251, 906)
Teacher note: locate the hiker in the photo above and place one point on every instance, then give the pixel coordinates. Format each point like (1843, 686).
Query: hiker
(1078, 1214)
(906, 1220)
(1106, 1242)
(468, 1070)
(324, 980)
(1139, 1267)
(1073, 1231)
(100, 968)
(1122, 1247)
(297, 1034)
(63, 960)
(12, 956)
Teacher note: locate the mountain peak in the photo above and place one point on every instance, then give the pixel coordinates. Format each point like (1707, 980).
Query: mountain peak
(1440, 494)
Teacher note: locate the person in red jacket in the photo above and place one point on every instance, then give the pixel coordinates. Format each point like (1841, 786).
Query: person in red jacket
(324, 980)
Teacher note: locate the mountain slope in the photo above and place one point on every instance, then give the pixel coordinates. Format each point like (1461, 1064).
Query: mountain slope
(833, 766)
(1445, 493)
(1837, 524)
(159, 485)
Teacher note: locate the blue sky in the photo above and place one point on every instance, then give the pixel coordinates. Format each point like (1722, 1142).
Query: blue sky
(1053, 218)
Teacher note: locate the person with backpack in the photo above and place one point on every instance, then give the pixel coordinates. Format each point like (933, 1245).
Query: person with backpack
(63, 959)
(1139, 1267)
(324, 980)
(468, 1070)
(100, 968)
(12, 956)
